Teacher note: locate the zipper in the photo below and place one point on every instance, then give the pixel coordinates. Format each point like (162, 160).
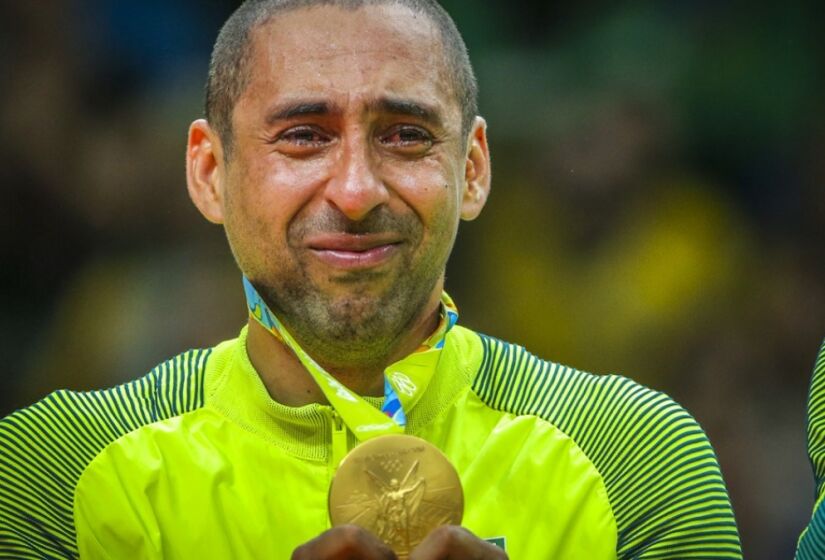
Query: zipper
(339, 439)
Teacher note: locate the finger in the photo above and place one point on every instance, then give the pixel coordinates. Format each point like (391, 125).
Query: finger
(450, 542)
(345, 542)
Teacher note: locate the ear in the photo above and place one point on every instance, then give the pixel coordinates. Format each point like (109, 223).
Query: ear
(205, 170)
(476, 172)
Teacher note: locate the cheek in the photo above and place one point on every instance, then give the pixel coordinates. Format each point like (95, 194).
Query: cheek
(271, 178)
(431, 192)
(271, 191)
(294, 174)
(428, 187)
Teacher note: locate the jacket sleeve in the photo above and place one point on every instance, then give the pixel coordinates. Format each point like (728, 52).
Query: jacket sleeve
(36, 480)
(662, 476)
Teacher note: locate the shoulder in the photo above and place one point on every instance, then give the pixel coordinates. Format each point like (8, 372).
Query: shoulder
(662, 476)
(511, 378)
(47, 446)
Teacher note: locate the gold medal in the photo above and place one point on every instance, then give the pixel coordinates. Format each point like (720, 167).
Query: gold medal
(399, 487)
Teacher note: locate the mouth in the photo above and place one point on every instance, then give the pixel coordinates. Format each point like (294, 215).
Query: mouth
(346, 251)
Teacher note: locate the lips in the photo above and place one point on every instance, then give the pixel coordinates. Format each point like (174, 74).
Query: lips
(354, 251)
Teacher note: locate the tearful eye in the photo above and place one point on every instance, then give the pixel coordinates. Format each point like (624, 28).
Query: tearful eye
(410, 135)
(408, 139)
(303, 136)
(301, 141)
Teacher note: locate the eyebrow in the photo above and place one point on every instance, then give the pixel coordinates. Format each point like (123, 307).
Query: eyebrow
(298, 109)
(391, 105)
(407, 107)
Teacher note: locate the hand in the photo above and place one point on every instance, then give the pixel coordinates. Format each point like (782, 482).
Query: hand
(450, 542)
(345, 542)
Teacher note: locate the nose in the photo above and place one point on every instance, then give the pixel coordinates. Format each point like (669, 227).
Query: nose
(355, 188)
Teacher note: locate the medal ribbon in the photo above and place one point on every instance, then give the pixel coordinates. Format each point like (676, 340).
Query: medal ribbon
(404, 380)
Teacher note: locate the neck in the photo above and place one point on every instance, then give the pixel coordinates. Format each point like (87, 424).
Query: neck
(288, 382)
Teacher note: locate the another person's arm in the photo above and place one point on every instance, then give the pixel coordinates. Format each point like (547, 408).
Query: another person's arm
(812, 542)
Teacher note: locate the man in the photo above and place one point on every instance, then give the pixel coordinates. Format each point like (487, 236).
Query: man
(811, 544)
(341, 149)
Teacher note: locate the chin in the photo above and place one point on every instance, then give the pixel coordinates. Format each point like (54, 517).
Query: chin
(355, 308)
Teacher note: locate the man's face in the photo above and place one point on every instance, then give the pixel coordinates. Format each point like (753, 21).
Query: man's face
(347, 176)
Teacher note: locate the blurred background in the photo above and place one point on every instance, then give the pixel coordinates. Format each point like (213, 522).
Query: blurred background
(658, 208)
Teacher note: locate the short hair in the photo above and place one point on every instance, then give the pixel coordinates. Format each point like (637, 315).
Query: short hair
(229, 70)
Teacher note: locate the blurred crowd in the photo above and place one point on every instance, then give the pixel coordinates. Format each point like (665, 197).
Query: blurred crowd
(658, 208)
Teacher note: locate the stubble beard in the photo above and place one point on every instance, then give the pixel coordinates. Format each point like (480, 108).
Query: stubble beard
(358, 326)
